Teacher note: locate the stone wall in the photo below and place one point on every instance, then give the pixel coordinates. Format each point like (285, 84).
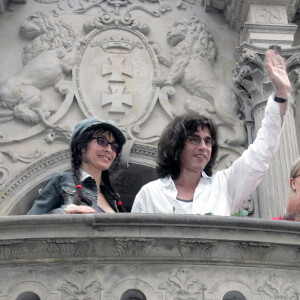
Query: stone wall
(157, 257)
(139, 63)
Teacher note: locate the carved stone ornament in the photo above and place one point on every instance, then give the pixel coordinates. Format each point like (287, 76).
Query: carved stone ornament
(235, 12)
(128, 284)
(233, 285)
(116, 54)
(183, 285)
(81, 285)
(66, 248)
(196, 248)
(11, 250)
(250, 77)
(277, 287)
(254, 251)
(117, 6)
(191, 65)
(23, 97)
(34, 174)
(5, 172)
(133, 247)
(37, 288)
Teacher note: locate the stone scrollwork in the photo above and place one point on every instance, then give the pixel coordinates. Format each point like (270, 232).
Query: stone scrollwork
(183, 285)
(11, 249)
(133, 247)
(196, 248)
(254, 251)
(80, 285)
(26, 158)
(69, 248)
(47, 60)
(277, 287)
(161, 6)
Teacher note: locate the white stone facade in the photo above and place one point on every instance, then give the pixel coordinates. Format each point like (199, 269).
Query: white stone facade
(139, 63)
(153, 257)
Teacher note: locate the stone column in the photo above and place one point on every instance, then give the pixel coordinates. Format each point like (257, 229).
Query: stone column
(254, 86)
(267, 24)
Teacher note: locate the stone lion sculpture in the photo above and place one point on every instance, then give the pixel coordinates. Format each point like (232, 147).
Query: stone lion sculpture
(47, 59)
(191, 65)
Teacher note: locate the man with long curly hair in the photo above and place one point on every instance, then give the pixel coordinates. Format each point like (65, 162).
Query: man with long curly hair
(187, 152)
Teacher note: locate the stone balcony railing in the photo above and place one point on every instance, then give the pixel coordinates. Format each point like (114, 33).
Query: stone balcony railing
(153, 257)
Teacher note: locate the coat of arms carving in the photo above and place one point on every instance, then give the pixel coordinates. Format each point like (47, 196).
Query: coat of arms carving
(115, 71)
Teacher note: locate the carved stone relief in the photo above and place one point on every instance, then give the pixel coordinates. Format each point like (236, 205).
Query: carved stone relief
(127, 284)
(254, 251)
(11, 250)
(196, 248)
(236, 12)
(159, 8)
(81, 285)
(116, 54)
(5, 171)
(250, 78)
(268, 15)
(183, 285)
(69, 248)
(191, 65)
(233, 285)
(133, 247)
(19, 185)
(277, 287)
(47, 60)
(35, 287)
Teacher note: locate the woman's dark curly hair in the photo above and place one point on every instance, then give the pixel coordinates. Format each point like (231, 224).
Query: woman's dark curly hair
(172, 142)
(78, 144)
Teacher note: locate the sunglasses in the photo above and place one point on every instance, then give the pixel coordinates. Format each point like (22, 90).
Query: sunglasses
(103, 142)
(296, 176)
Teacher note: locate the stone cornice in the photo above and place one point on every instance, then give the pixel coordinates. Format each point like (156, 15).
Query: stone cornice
(175, 238)
(235, 11)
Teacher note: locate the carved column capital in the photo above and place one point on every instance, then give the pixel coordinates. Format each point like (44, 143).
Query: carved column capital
(251, 78)
(292, 57)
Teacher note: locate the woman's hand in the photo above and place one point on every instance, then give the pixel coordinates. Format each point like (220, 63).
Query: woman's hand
(79, 209)
(275, 65)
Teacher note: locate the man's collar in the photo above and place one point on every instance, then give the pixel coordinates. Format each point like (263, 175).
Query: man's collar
(206, 177)
(167, 181)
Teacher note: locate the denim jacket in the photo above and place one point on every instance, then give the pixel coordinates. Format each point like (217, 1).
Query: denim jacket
(59, 190)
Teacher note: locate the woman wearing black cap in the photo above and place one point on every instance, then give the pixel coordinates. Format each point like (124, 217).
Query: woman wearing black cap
(95, 145)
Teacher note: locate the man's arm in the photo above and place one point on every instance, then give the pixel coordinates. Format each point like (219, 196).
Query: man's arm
(248, 171)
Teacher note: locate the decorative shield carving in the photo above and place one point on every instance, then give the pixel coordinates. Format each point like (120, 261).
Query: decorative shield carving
(114, 75)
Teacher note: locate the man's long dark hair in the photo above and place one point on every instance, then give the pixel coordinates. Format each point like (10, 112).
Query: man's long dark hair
(173, 139)
(79, 144)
